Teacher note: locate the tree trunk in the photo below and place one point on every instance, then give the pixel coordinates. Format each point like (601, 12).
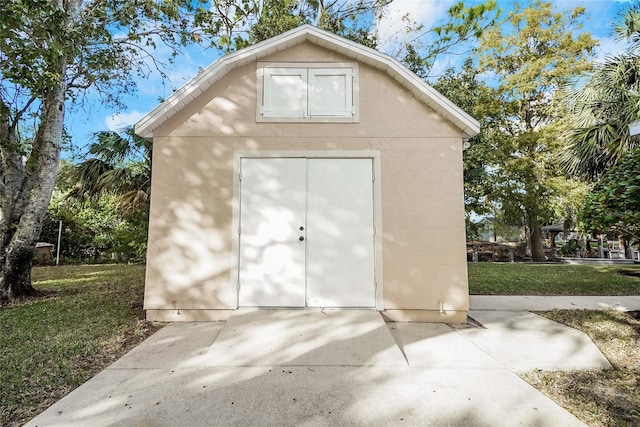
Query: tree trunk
(16, 274)
(537, 250)
(24, 202)
(623, 247)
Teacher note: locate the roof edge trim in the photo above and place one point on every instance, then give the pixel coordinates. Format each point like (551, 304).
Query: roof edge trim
(214, 72)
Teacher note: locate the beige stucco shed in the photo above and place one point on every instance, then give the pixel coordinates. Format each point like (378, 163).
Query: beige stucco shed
(307, 171)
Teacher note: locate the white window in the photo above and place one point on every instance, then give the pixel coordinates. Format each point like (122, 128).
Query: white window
(293, 92)
(330, 92)
(285, 92)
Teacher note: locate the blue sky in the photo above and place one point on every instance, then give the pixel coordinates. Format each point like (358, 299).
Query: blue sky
(93, 116)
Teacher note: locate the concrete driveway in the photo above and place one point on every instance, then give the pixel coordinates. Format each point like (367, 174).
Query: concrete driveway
(332, 367)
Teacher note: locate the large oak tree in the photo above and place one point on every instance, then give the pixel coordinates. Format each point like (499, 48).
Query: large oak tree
(51, 53)
(527, 59)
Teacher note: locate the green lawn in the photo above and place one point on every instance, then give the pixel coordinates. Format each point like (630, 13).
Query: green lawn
(50, 346)
(93, 315)
(599, 398)
(553, 279)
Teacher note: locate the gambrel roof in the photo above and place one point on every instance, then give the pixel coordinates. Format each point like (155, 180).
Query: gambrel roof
(306, 33)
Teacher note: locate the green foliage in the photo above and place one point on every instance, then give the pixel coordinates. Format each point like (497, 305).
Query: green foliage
(131, 236)
(614, 204)
(344, 18)
(601, 108)
(569, 248)
(532, 54)
(464, 26)
(116, 181)
(87, 228)
(119, 163)
(51, 54)
(464, 23)
(275, 18)
(348, 27)
(510, 169)
(96, 227)
(415, 62)
(354, 21)
(104, 44)
(629, 25)
(25, 60)
(468, 92)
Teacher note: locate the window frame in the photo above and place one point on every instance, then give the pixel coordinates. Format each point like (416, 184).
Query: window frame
(309, 66)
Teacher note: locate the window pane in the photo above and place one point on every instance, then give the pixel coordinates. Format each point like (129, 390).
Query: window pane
(330, 92)
(285, 92)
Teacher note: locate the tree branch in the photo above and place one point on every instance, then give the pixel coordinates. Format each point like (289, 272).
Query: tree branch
(19, 113)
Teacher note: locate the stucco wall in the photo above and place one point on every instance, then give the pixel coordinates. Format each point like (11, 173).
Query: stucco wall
(190, 261)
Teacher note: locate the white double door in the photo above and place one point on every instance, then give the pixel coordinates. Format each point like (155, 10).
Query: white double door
(306, 233)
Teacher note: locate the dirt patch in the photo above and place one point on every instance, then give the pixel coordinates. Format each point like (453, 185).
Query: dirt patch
(634, 314)
(37, 296)
(632, 273)
(471, 323)
(599, 398)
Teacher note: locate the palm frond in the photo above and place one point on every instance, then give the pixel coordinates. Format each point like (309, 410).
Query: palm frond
(88, 175)
(132, 200)
(629, 26)
(121, 165)
(599, 114)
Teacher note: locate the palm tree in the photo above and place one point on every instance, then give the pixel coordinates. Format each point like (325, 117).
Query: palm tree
(600, 111)
(120, 163)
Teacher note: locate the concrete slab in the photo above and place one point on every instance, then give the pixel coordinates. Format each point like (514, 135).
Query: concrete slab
(305, 396)
(546, 303)
(332, 367)
(524, 341)
(175, 345)
(436, 345)
(305, 337)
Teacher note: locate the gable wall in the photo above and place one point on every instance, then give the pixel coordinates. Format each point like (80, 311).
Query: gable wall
(190, 262)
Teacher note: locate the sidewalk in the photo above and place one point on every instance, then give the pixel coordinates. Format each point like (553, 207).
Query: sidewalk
(332, 367)
(546, 303)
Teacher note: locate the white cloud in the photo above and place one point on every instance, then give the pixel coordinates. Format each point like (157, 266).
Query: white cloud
(396, 16)
(118, 121)
(609, 46)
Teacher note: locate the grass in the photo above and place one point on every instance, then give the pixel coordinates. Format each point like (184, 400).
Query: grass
(49, 346)
(599, 398)
(93, 315)
(553, 279)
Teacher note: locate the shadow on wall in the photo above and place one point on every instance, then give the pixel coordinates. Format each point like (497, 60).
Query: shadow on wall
(191, 236)
(190, 231)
